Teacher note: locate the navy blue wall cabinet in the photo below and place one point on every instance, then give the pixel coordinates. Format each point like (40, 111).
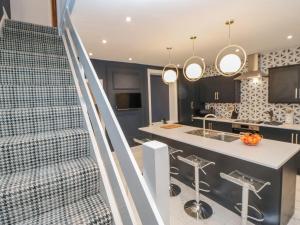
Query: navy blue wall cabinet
(218, 89)
(284, 84)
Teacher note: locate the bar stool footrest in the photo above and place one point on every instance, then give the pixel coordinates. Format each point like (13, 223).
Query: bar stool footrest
(257, 214)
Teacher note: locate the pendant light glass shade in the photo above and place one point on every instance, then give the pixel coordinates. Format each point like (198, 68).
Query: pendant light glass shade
(170, 71)
(232, 58)
(194, 67)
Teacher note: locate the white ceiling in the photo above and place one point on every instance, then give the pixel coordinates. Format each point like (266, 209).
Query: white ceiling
(260, 25)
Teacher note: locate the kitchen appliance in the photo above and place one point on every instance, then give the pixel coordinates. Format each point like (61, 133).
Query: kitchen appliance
(239, 128)
(253, 69)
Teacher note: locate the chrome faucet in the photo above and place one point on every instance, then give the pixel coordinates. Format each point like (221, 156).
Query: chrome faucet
(204, 120)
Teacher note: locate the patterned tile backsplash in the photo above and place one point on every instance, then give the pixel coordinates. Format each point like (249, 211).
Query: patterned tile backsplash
(254, 95)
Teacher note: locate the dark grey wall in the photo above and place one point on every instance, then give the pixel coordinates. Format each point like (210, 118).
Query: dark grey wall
(159, 99)
(6, 5)
(126, 77)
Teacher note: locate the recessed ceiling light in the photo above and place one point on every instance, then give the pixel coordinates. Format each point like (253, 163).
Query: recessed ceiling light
(130, 59)
(128, 19)
(90, 54)
(178, 65)
(237, 50)
(289, 37)
(104, 41)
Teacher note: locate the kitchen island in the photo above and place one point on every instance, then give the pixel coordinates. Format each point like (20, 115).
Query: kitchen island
(271, 161)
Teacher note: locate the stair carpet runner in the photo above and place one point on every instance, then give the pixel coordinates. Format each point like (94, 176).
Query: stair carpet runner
(47, 174)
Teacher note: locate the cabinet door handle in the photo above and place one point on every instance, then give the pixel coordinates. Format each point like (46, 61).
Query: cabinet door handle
(215, 95)
(296, 93)
(296, 139)
(292, 138)
(218, 95)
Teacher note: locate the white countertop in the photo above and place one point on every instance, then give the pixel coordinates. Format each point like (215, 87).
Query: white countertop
(283, 126)
(269, 153)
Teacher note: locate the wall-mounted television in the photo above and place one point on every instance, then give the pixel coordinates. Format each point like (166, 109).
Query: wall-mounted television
(126, 101)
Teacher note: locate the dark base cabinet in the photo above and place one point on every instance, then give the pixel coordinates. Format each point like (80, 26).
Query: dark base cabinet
(278, 200)
(291, 136)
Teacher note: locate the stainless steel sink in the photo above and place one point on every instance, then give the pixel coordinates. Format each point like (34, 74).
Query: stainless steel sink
(200, 132)
(225, 137)
(217, 135)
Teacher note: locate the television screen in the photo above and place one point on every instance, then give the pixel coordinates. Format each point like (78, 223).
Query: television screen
(128, 101)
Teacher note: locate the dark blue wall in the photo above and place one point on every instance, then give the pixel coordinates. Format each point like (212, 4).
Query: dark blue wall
(6, 5)
(126, 77)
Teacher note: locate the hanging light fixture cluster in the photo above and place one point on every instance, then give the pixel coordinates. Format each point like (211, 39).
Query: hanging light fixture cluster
(229, 62)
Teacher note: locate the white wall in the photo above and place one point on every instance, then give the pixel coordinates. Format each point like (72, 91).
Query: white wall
(33, 11)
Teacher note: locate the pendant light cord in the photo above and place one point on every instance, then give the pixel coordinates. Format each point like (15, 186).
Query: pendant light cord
(229, 32)
(169, 50)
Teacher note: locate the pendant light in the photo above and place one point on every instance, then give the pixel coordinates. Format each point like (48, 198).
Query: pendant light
(194, 67)
(232, 58)
(170, 71)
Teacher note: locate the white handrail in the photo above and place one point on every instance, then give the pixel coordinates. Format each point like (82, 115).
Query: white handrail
(143, 200)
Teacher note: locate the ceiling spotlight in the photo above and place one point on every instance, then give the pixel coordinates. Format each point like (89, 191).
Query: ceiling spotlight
(232, 58)
(128, 19)
(104, 41)
(130, 59)
(90, 54)
(178, 65)
(289, 37)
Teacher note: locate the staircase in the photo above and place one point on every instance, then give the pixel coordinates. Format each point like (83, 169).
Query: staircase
(47, 173)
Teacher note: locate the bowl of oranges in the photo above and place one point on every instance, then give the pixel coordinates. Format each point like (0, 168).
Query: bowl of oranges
(251, 139)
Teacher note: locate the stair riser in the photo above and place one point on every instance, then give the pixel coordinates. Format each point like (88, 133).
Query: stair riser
(34, 47)
(35, 77)
(30, 97)
(26, 121)
(22, 35)
(42, 197)
(8, 58)
(90, 211)
(30, 27)
(19, 155)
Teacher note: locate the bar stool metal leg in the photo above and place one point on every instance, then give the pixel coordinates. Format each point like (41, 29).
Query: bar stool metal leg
(245, 201)
(196, 208)
(174, 188)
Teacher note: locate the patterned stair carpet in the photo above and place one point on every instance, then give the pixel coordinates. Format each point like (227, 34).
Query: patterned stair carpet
(47, 174)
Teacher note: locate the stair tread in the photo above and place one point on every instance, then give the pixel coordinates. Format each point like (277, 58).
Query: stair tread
(39, 119)
(35, 53)
(29, 193)
(88, 211)
(31, 46)
(21, 25)
(35, 68)
(33, 32)
(15, 182)
(16, 139)
(29, 151)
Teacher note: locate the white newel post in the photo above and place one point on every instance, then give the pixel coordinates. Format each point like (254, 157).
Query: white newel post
(156, 173)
